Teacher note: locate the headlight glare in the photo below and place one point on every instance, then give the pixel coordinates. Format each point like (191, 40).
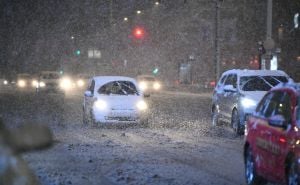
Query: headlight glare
(142, 105)
(246, 102)
(42, 84)
(100, 104)
(66, 84)
(156, 86)
(21, 83)
(80, 83)
(143, 86)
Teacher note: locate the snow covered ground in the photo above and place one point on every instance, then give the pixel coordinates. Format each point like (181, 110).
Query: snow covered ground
(179, 147)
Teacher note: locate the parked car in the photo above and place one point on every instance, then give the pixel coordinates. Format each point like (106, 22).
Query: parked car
(238, 92)
(114, 99)
(148, 83)
(272, 144)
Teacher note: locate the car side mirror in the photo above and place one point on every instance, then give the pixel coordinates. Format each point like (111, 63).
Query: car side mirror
(30, 137)
(229, 88)
(88, 94)
(277, 121)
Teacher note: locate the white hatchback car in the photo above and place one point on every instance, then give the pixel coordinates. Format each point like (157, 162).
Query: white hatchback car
(114, 99)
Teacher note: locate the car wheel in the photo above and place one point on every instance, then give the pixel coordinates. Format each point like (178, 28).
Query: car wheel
(92, 120)
(293, 174)
(215, 117)
(250, 172)
(235, 122)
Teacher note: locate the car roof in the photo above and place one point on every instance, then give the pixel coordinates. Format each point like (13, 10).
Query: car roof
(289, 85)
(105, 79)
(247, 72)
(101, 80)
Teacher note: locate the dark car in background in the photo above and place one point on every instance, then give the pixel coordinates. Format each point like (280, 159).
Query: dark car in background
(272, 144)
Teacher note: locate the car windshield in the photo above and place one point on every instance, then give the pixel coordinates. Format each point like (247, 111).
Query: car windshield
(151, 79)
(118, 88)
(260, 83)
(50, 76)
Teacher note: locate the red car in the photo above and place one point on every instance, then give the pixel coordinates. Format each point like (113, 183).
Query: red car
(272, 141)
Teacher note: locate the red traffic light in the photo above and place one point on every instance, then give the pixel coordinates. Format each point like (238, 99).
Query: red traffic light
(139, 32)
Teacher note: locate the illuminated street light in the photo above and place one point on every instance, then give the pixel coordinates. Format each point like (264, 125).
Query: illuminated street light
(125, 19)
(139, 12)
(156, 3)
(72, 37)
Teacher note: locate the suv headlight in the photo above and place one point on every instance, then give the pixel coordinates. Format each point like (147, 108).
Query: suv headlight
(143, 86)
(247, 102)
(156, 86)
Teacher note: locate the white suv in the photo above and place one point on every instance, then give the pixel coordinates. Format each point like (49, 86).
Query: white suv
(238, 92)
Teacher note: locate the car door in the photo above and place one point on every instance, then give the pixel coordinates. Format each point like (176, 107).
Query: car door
(219, 94)
(279, 136)
(260, 133)
(89, 97)
(229, 97)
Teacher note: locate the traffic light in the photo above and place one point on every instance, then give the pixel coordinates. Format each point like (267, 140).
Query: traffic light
(155, 71)
(77, 52)
(138, 32)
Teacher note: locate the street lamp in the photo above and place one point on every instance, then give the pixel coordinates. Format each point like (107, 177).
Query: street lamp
(156, 3)
(139, 12)
(125, 18)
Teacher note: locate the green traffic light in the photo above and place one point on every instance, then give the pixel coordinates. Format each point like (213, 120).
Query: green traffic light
(78, 52)
(155, 71)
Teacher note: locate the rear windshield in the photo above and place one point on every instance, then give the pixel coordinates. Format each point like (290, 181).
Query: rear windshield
(260, 83)
(118, 88)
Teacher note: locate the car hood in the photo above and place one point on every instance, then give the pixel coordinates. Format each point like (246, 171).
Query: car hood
(254, 95)
(124, 102)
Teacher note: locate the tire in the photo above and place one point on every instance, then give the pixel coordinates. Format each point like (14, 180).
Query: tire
(215, 118)
(293, 177)
(235, 123)
(250, 172)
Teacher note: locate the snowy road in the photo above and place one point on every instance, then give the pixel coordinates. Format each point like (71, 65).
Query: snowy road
(179, 147)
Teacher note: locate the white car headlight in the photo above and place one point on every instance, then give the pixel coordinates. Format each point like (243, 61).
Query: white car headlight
(143, 86)
(246, 102)
(142, 105)
(156, 86)
(100, 104)
(21, 83)
(34, 83)
(66, 84)
(80, 83)
(42, 84)
(5, 82)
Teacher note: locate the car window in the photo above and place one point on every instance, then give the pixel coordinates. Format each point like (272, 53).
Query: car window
(262, 106)
(231, 80)
(118, 88)
(221, 81)
(274, 80)
(254, 83)
(275, 103)
(284, 107)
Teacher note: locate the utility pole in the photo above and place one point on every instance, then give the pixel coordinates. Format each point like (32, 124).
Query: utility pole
(217, 47)
(269, 43)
